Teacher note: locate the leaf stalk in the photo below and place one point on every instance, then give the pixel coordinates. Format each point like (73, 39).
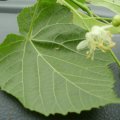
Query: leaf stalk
(115, 58)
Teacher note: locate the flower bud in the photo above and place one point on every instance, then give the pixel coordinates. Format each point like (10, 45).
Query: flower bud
(116, 21)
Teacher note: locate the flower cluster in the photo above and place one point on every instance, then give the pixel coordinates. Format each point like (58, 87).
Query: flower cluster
(98, 38)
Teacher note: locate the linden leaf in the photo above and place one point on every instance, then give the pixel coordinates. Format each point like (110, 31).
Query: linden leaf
(42, 68)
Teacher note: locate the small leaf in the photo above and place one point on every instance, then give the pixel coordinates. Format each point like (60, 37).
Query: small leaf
(42, 68)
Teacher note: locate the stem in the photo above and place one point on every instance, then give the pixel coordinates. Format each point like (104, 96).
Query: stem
(103, 19)
(90, 13)
(107, 19)
(83, 7)
(115, 58)
(107, 26)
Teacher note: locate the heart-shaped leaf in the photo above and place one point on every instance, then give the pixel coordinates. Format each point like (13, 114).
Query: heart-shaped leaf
(42, 68)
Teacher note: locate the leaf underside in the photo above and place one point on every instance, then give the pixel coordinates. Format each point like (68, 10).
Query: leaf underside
(42, 68)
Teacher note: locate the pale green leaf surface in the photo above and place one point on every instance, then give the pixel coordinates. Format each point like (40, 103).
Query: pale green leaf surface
(79, 18)
(85, 21)
(45, 72)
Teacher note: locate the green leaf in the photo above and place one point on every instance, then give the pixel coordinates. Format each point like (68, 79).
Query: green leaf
(42, 68)
(48, 1)
(87, 22)
(84, 21)
(113, 5)
(82, 1)
(79, 18)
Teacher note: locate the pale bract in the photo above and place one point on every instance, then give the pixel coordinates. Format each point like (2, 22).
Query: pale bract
(99, 38)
